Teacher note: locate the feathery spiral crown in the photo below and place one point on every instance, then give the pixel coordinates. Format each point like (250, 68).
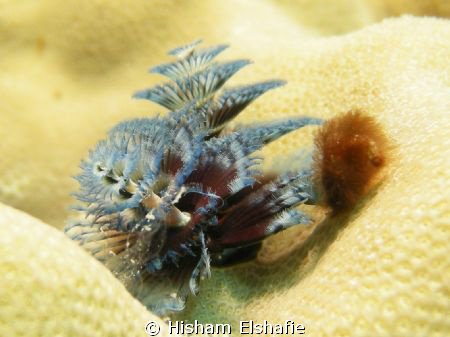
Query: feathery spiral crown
(165, 197)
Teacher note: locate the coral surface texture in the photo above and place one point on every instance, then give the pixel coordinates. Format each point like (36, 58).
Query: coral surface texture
(67, 73)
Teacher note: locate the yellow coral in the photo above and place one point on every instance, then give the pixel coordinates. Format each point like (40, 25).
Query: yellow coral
(67, 74)
(50, 287)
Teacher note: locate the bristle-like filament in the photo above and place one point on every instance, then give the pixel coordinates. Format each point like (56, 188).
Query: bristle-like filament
(350, 152)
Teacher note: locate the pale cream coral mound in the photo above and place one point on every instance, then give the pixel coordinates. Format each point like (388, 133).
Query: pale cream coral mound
(67, 74)
(51, 287)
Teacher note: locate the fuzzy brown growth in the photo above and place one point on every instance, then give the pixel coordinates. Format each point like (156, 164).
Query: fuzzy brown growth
(350, 151)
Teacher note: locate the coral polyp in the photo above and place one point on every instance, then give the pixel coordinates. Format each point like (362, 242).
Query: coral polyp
(162, 199)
